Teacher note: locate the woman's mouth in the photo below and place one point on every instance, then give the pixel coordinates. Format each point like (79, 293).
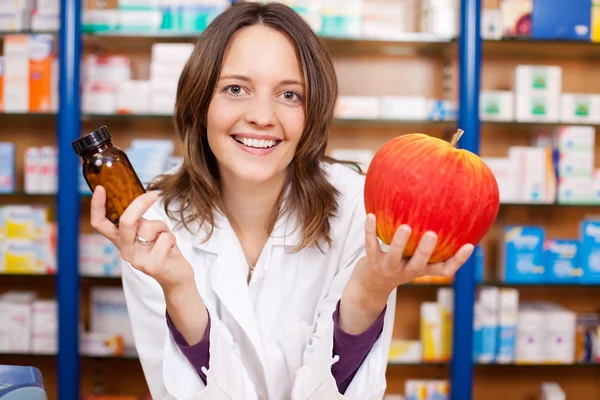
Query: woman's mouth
(256, 146)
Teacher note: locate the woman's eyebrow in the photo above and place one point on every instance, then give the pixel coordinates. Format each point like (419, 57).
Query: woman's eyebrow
(247, 79)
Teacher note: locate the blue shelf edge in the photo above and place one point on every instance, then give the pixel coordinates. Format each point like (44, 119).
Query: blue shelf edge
(68, 202)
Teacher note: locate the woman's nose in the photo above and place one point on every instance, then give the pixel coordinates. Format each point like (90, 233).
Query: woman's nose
(261, 111)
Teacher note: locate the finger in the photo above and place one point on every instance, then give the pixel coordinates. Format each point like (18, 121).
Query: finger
(163, 245)
(98, 218)
(450, 266)
(396, 249)
(423, 252)
(371, 244)
(128, 223)
(147, 232)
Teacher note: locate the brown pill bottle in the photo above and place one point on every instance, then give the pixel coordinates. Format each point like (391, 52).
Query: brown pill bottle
(107, 165)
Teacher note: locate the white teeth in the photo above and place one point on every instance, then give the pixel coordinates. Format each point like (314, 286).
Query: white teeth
(258, 143)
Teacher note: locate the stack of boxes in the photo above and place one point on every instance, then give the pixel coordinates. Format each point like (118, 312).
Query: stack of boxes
(545, 334)
(98, 256)
(41, 170)
(36, 15)
(167, 63)
(102, 77)
(526, 255)
(27, 324)
(30, 74)
(579, 181)
(495, 325)
(543, 20)
(537, 96)
(175, 16)
(27, 240)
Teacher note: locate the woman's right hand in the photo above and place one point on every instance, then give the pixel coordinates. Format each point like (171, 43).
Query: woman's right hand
(148, 246)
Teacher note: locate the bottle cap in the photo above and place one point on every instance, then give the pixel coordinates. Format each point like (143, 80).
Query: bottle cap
(92, 140)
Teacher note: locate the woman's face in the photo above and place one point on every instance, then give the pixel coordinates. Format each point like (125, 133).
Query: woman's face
(256, 116)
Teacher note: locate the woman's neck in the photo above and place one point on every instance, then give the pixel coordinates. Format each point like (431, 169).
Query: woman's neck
(249, 206)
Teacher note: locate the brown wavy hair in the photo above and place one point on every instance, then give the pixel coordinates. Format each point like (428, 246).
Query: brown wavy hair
(197, 184)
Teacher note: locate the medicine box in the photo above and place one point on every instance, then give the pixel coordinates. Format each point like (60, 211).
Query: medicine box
(516, 17)
(561, 261)
(108, 314)
(496, 105)
(538, 79)
(341, 18)
(488, 302)
(590, 251)
(580, 139)
(575, 164)
(595, 28)
(559, 19)
(522, 254)
(431, 331)
(506, 174)
(508, 305)
(579, 108)
(537, 107)
(7, 167)
(531, 335)
(560, 326)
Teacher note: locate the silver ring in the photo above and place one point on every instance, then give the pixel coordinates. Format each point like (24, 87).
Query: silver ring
(143, 241)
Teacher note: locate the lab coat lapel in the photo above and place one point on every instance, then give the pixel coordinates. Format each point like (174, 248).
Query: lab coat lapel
(227, 276)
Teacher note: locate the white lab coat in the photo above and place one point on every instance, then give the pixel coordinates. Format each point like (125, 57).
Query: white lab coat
(271, 339)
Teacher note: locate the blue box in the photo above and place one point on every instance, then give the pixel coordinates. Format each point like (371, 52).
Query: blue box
(589, 252)
(7, 167)
(522, 254)
(561, 19)
(561, 261)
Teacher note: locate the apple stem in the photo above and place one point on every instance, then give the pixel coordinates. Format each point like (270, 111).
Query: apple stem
(456, 137)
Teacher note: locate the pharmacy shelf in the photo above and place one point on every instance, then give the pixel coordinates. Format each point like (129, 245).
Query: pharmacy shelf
(537, 285)
(337, 121)
(549, 205)
(27, 32)
(537, 366)
(509, 124)
(540, 49)
(408, 44)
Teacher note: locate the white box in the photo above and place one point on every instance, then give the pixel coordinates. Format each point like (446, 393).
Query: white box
(491, 24)
(538, 79)
(17, 309)
(404, 107)
(177, 53)
(507, 325)
(530, 335)
(579, 108)
(496, 105)
(133, 97)
(575, 164)
(576, 138)
(44, 316)
(16, 74)
(537, 107)
(577, 190)
(533, 171)
(108, 314)
(15, 20)
(44, 343)
(505, 172)
(560, 335)
(357, 107)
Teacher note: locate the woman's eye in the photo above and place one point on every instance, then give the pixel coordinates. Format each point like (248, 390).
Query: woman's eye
(291, 96)
(234, 90)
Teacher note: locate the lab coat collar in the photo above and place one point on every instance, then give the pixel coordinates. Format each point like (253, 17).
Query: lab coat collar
(286, 232)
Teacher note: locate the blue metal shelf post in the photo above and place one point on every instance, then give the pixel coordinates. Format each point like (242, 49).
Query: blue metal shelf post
(469, 56)
(68, 205)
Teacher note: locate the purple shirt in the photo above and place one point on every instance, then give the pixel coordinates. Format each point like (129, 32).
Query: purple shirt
(351, 349)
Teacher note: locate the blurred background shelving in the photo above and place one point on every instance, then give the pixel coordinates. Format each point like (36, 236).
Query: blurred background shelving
(398, 73)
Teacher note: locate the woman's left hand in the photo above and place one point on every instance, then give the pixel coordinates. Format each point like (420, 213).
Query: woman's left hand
(381, 272)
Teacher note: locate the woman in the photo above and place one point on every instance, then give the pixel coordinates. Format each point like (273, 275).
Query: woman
(252, 271)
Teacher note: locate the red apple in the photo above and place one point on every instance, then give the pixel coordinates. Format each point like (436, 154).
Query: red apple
(430, 185)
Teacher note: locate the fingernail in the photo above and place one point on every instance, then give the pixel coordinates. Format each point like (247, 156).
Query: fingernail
(405, 228)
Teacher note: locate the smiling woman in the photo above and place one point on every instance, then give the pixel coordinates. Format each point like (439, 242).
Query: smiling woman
(252, 271)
